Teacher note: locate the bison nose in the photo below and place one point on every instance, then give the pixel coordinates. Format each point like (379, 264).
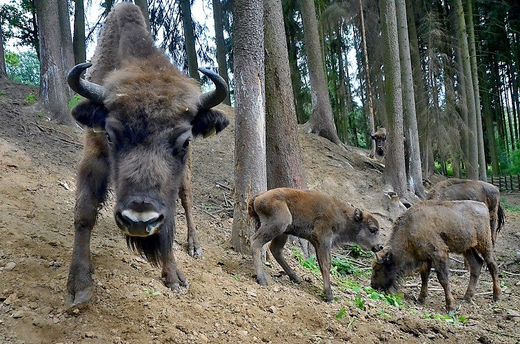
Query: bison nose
(377, 248)
(140, 217)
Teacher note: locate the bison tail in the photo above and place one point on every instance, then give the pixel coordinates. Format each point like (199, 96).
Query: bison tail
(501, 218)
(252, 213)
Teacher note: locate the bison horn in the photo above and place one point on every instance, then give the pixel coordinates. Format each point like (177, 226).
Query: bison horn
(215, 97)
(85, 88)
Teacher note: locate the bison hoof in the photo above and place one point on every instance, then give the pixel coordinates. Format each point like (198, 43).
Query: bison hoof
(180, 289)
(329, 298)
(195, 252)
(262, 281)
(296, 279)
(79, 297)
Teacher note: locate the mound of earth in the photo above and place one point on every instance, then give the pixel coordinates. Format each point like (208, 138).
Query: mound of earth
(224, 304)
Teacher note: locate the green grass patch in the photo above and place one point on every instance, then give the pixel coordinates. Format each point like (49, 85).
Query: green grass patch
(31, 98)
(451, 318)
(74, 101)
(510, 207)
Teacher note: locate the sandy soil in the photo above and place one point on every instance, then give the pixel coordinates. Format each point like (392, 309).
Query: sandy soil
(224, 304)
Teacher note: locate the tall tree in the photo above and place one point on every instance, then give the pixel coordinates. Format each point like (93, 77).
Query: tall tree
(472, 167)
(78, 41)
(476, 90)
(321, 121)
(53, 88)
(189, 39)
(250, 165)
(394, 173)
(410, 116)
(3, 70)
(219, 42)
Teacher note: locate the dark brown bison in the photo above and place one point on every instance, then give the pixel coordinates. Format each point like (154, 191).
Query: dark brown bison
(140, 115)
(424, 235)
(473, 190)
(312, 215)
(380, 138)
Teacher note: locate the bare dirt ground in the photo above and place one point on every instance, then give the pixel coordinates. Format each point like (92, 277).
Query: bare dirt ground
(224, 304)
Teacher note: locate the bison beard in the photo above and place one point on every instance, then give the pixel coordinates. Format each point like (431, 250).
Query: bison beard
(154, 248)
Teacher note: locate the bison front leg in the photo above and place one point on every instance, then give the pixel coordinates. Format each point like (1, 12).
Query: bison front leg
(91, 192)
(442, 268)
(173, 277)
(425, 274)
(323, 255)
(186, 196)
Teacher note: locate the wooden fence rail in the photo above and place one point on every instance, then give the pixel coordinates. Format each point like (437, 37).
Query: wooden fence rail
(509, 183)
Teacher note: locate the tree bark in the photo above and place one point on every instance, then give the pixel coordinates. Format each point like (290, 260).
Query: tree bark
(67, 51)
(53, 88)
(472, 170)
(189, 39)
(410, 116)
(250, 156)
(78, 42)
(322, 120)
(221, 47)
(394, 173)
(482, 166)
(3, 69)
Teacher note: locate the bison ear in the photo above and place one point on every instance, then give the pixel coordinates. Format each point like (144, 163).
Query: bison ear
(208, 122)
(90, 114)
(358, 215)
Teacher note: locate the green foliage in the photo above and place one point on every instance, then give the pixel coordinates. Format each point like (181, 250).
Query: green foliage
(23, 68)
(341, 313)
(514, 163)
(359, 302)
(152, 293)
(74, 101)
(357, 251)
(451, 318)
(510, 207)
(17, 20)
(30, 98)
(2, 94)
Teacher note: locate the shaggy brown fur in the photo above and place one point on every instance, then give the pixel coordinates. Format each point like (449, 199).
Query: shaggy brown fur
(474, 190)
(380, 138)
(138, 136)
(424, 235)
(312, 215)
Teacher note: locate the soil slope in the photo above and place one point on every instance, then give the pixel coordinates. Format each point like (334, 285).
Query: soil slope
(224, 304)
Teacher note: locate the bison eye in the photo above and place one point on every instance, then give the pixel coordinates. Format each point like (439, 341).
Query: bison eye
(186, 143)
(109, 139)
(373, 230)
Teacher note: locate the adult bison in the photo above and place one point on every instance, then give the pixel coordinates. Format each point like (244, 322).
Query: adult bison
(424, 235)
(473, 190)
(140, 115)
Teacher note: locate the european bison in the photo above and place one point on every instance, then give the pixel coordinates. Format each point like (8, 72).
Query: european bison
(140, 115)
(424, 235)
(380, 138)
(312, 215)
(474, 190)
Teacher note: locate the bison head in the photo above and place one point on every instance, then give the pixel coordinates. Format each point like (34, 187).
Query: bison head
(367, 231)
(384, 272)
(144, 117)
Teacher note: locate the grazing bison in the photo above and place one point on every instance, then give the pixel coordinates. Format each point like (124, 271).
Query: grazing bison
(312, 215)
(424, 235)
(140, 115)
(473, 190)
(380, 138)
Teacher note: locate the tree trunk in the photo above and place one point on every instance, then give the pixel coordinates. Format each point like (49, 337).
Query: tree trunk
(284, 158)
(482, 165)
(250, 165)
(189, 39)
(143, 5)
(67, 51)
(394, 173)
(322, 120)
(370, 102)
(53, 87)
(3, 69)
(472, 170)
(221, 47)
(78, 42)
(410, 117)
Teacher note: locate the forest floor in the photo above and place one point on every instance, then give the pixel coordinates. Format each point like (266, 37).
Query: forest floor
(224, 304)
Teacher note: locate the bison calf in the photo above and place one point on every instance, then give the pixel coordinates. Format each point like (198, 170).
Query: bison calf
(424, 235)
(312, 215)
